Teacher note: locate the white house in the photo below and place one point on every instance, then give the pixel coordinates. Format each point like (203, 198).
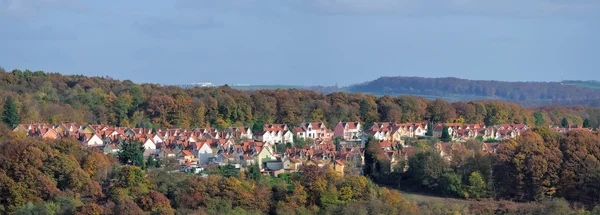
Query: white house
(149, 144)
(203, 152)
(314, 130)
(238, 132)
(287, 137)
(420, 130)
(380, 135)
(157, 139)
(300, 132)
(95, 140)
(269, 137)
(247, 134)
(276, 136)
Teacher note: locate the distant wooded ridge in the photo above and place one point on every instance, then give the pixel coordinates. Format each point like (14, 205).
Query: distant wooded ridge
(529, 94)
(525, 93)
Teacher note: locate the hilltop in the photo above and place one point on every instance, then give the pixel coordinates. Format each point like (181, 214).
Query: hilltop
(530, 94)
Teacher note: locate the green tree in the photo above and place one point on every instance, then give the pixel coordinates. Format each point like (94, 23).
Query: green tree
(258, 126)
(373, 153)
(329, 198)
(440, 111)
(39, 208)
(229, 171)
(539, 118)
(446, 135)
(364, 109)
(132, 153)
(495, 114)
(425, 170)
(301, 142)
(122, 106)
(451, 185)
(586, 123)
(337, 141)
(130, 176)
(10, 115)
(151, 162)
(429, 132)
(137, 94)
(479, 138)
(254, 172)
(477, 186)
(564, 122)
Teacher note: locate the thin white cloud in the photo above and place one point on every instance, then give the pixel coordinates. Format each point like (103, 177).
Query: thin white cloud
(28, 8)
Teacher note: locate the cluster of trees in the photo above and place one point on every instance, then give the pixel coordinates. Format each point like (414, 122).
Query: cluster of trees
(62, 171)
(50, 97)
(525, 93)
(64, 177)
(540, 164)
(315, 191)
(543, 164)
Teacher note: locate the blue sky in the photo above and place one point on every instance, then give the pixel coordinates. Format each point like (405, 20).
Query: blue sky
(305, 42)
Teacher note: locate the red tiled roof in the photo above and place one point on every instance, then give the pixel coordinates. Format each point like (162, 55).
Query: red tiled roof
(298, 129)
(187, 153)
(385, 144)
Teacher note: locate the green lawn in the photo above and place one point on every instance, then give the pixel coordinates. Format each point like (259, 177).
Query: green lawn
(588, 84)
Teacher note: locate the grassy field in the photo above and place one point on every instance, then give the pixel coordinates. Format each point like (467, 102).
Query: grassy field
(440, 205)
(588, 84)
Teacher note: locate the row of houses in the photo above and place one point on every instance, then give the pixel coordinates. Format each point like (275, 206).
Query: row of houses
(204, 147)
(470, 131)
(570, 128)
(387, 131)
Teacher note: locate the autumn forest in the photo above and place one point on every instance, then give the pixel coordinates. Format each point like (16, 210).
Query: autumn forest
(52, 98)
(539, 172)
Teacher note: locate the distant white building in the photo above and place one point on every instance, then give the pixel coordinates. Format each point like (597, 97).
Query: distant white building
(203, 84)
(198, 84)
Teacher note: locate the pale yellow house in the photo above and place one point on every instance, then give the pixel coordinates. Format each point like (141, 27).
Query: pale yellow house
(264, 154)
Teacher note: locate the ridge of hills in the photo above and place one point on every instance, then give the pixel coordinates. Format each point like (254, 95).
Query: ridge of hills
(526, 93)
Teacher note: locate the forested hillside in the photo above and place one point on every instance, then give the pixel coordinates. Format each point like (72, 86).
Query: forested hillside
(524, 93)
(538, 166)
(50, 97)
(64, 177)
(542, 168)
